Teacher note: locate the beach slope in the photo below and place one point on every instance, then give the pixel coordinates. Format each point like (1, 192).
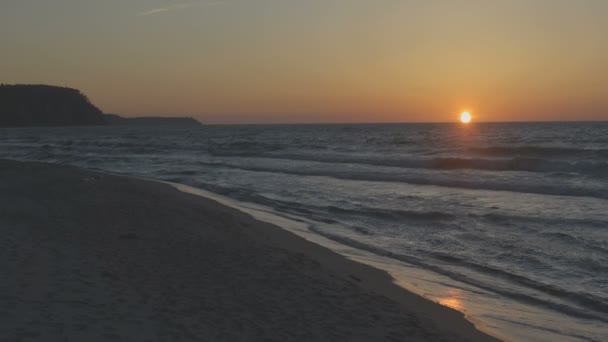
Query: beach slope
(86, 256)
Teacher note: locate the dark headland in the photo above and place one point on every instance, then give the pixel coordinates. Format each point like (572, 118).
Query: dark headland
(42, 105)
(45, 106)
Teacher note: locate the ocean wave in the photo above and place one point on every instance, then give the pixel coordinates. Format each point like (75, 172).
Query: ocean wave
(594, 307)
(398, 215)
(468, 183)
(321, 213)
(244, 148)
(545, 220)
(587, 167)
(555, 160)
(578, 241)
(585, 300)
(538, 151)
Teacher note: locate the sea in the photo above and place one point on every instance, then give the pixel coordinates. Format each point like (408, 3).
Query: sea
(505, 222)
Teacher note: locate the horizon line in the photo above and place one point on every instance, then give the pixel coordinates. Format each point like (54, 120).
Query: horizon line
(393, 123)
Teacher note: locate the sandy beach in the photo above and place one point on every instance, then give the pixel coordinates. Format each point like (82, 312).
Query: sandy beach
(95, 257)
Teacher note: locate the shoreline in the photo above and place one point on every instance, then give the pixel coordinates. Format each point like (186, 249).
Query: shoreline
(302, 230)
(171, 263)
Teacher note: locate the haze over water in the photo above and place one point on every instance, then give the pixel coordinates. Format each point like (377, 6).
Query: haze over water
(512, 217)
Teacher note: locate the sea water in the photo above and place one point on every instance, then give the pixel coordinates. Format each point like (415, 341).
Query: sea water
(506, 222)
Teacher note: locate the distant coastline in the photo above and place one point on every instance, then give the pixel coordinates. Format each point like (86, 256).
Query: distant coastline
(117, 120)
(52, 106)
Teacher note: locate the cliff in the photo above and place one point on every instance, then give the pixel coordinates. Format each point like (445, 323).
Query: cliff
(42, 105)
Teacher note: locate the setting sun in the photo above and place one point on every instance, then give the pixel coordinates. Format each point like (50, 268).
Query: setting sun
(465, 117)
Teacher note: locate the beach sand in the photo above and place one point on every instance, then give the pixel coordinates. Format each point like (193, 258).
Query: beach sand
(88, 256)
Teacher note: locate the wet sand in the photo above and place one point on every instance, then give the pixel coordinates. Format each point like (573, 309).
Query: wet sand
(87, 256)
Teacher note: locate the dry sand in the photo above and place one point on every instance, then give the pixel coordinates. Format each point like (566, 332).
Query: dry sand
(94, 257)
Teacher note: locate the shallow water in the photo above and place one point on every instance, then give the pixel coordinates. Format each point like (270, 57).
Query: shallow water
(506, 222)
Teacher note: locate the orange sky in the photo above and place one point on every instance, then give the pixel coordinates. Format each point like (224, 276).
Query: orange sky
(236, 61)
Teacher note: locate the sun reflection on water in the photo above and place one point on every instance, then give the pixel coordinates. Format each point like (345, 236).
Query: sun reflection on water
(452, 299)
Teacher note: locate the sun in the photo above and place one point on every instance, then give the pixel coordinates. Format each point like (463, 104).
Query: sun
(465, 117)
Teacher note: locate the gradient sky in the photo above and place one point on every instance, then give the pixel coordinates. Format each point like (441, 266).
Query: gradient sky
(227, 61)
